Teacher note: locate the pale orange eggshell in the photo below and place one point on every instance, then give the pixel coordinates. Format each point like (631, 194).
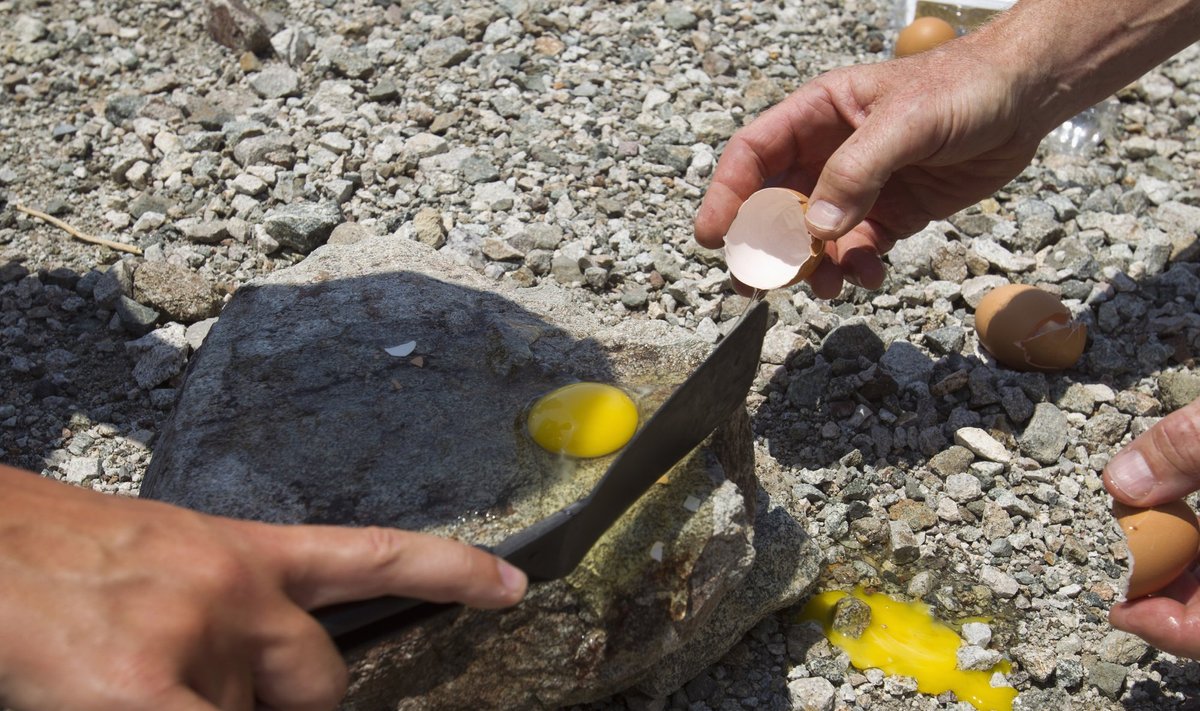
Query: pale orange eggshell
(768, 244)
(922, 35)
(1162, 541)
(1027, 328)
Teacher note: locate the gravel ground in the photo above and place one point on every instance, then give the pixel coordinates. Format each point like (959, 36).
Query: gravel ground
(571, 142)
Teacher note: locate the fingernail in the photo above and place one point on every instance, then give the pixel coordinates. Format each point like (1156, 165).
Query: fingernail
(1129, 473)
(825, 215)
(512, 577)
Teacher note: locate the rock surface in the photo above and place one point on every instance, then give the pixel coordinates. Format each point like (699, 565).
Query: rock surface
(294, 412)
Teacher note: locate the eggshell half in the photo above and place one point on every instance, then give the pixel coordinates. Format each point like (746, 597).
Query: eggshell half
(1027, 328)
(922, 35)
(768, 244)
(1162, 543)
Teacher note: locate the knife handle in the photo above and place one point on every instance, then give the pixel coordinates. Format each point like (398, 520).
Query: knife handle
(351, 624)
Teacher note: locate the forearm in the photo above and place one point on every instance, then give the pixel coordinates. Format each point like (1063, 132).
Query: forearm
(1069, 54)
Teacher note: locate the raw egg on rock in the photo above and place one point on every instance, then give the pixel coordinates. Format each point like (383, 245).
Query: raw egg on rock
(768, 245)
(922, 35)
(1027, 328)
(1162, 544)
(583, 420)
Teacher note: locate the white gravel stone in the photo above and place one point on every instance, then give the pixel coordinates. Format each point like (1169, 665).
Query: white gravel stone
(812, 694)
(982, 444)
(1001, 583)
(977, 633)
(963, 488)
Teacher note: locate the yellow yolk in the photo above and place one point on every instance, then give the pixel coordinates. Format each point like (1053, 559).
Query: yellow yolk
(583, 420)
(903, 639)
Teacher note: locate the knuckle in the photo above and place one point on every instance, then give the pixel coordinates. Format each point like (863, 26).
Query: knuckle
(381, 548)
(1177, 438)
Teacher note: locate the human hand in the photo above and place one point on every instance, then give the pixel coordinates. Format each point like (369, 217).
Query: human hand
(1161, 465)
(881, 150)
(114, 603)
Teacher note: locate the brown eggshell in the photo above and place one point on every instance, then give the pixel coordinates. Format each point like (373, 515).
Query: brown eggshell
(1027, 328)
(922, 35)
(1162, 541)
(768, 244)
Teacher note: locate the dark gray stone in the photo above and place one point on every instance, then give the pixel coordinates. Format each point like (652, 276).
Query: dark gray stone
(1046, 435)
(316, 422)
(134, 317)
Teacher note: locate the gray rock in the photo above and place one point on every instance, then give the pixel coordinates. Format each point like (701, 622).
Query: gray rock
(1122, 648)
(911, 257)
(270, 148)
(946, 340)
(351, 64)
(635, 297)
(963, 487)
(906, 363)
(119, 108)
(204, 231)
(852, 340)
(903, 542)
(197, 332)
(679, 17)
(302, 227)
(134, 317)
(977, 633)
(161, 355)
(1177, 388)
(81, 469)
(1001, 583)
(115, 282)
(813, 694)
(292, 45)
(1036, 660)
(712, 126)
(1046, 435)
(1179, 216)
(1068, 672)
(851, 616)
(478, 169)
(275, 367)
(276, 81)
(954, 460)
(236, 26)
(972, 658)
(178, 293)
(1108, 678)
(443, 53)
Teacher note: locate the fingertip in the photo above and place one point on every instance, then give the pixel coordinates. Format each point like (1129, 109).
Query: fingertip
(826, 280)
(863, 268)
(514, 583)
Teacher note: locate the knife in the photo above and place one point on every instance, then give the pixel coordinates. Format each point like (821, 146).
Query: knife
(551, 548)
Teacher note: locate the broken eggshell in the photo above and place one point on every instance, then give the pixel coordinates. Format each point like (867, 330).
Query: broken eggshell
(1162, 541)
(1027, 328)
(768, 244)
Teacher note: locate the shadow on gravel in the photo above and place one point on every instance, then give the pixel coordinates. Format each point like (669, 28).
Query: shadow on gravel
(64, 372)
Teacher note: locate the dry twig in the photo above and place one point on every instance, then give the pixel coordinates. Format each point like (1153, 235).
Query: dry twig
(76, 233)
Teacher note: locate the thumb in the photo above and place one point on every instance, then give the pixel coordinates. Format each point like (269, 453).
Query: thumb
(853, 176)
(1162, 464)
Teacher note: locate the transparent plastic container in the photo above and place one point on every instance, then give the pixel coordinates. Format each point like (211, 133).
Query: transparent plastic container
(1078, 135)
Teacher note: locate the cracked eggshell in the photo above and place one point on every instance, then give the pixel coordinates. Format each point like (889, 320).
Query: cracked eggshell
(1027, 328)
(768, 245)
(1162, 542)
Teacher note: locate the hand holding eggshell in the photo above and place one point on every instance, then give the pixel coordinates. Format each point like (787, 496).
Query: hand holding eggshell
(768, 244)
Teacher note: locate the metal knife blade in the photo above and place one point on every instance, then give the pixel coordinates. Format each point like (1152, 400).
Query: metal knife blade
(552, 547)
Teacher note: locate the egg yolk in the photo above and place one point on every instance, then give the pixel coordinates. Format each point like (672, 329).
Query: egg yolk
(903, 639)
(583, 420)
